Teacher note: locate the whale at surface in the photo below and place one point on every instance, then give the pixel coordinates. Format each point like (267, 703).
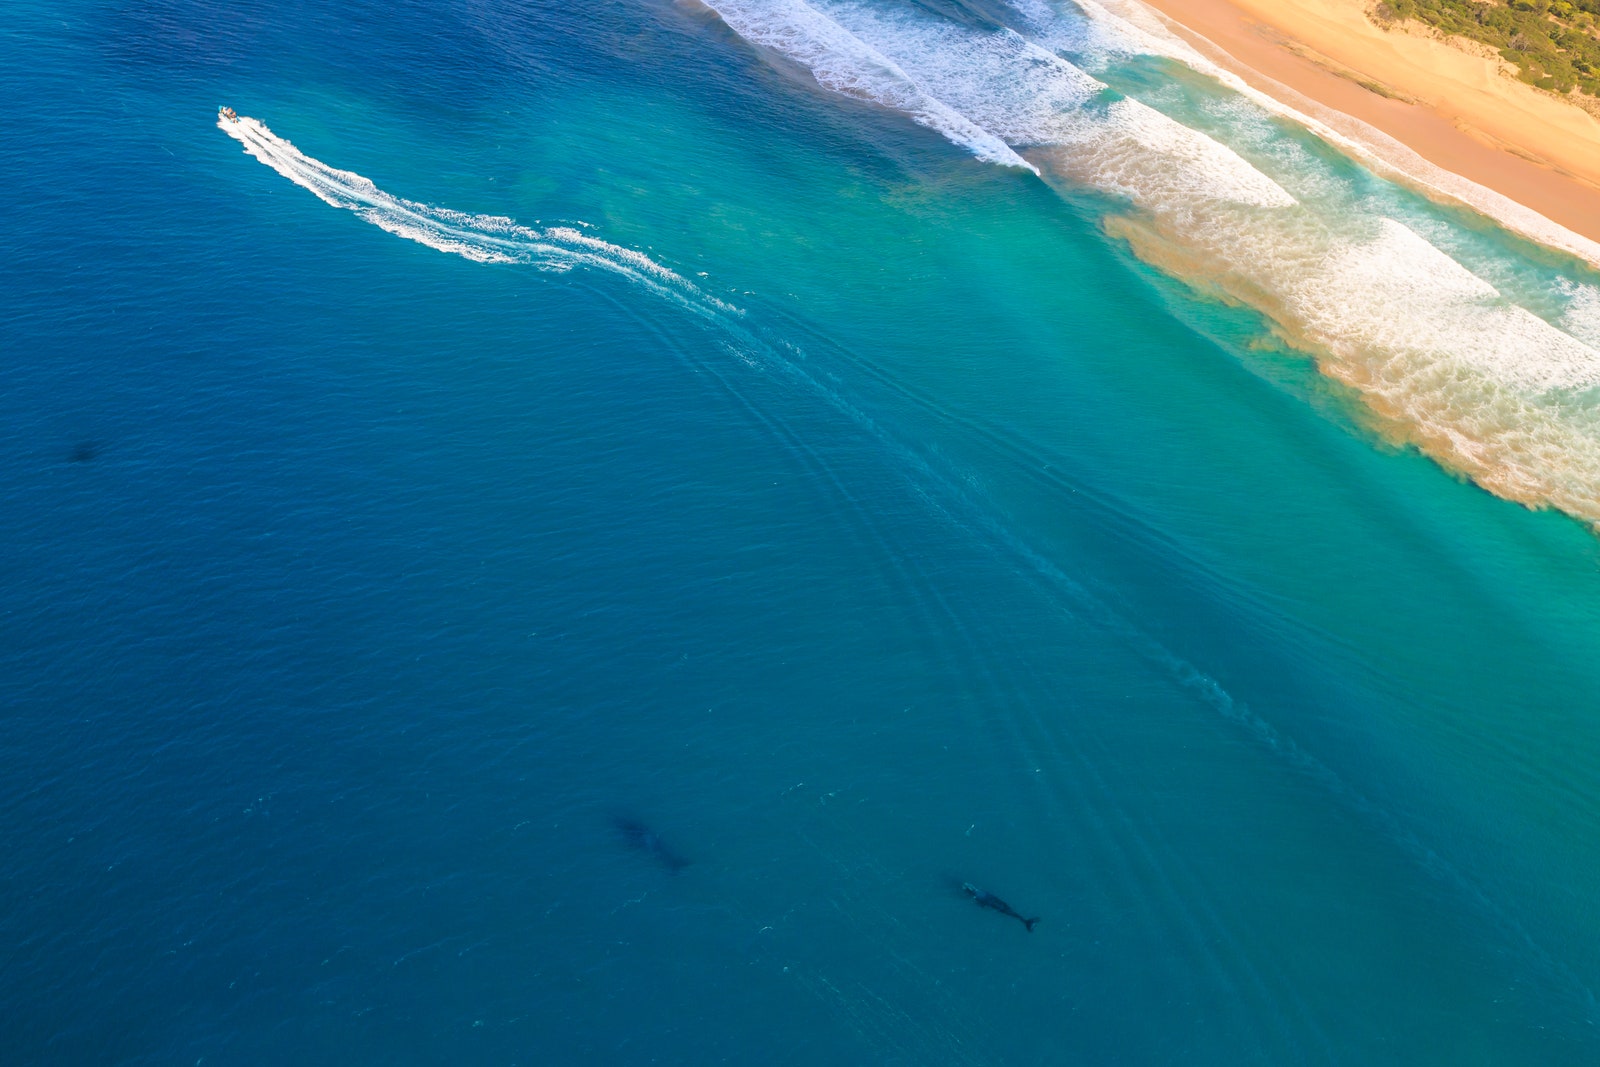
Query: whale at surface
(985, 899)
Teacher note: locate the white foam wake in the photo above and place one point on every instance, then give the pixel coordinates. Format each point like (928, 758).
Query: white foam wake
(480, 238)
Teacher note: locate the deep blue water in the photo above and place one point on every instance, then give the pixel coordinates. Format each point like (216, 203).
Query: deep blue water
(354, 592)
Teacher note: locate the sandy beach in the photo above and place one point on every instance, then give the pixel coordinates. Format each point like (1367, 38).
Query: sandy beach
(1457, 110)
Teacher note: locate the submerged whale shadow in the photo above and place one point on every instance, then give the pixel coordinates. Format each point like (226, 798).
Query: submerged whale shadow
(641, 838)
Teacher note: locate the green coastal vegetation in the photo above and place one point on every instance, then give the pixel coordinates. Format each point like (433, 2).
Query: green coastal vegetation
(1552, 43)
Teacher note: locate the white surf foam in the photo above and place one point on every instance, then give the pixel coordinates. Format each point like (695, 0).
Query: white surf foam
(844, 63)
(1581, 318)
(1400, 299)
(480, 238)
(1480, 382)
(1033, 97)
(1014, 93)
(1484, 384)
(1139, 27)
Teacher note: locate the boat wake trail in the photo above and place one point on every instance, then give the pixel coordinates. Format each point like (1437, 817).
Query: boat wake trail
(480, 238)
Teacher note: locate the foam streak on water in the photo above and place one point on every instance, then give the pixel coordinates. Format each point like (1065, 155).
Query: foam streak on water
(480, 238)
(1463, 368)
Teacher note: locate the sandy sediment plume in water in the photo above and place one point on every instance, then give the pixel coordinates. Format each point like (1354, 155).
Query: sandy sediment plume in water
(1457, 110)
(1440, 356)
(1485, 388)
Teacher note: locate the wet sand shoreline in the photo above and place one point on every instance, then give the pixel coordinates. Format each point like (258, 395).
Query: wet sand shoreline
(1454, 110)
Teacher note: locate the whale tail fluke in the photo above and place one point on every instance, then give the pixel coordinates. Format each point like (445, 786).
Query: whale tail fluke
(1029, 923)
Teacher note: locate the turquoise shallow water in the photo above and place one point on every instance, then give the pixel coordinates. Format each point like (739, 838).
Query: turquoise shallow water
(861, 517)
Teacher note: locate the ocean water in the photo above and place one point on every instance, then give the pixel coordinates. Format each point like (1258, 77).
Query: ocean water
(567, 535)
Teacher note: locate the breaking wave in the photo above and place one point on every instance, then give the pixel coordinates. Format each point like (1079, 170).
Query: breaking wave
(1242, 210)
(997, 94)
(846, 64)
